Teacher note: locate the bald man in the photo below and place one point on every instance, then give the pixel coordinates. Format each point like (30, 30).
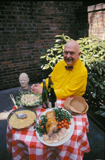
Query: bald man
(69, 75)
(24, 80)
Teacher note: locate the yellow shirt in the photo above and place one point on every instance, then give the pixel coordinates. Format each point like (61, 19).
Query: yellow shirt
(69, 83)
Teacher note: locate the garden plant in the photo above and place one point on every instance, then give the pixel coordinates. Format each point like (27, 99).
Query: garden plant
(92, 55)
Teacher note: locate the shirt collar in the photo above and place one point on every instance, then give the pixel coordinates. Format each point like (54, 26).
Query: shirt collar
(75, 64)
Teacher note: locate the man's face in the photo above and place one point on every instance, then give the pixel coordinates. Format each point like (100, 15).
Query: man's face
(23, 81)
(71, 54)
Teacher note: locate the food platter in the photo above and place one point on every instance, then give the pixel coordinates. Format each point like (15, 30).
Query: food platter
(29, 100)
(70, 131)
(24, 123)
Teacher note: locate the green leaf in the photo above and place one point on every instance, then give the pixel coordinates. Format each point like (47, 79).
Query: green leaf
(103, 83)
(103, 106)
(103, 114)
(57, 46)
(43, 57)
(99, 112)
(58, 40)
(46, 67)
(58, 36)
(96, 84)
(60, 51)
(48, 50)
(94, 94)
(99, 72)
(101, 86)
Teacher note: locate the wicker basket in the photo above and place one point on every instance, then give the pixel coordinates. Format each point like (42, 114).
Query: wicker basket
(77, 105)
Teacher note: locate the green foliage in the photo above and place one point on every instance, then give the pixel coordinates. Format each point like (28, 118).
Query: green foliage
(92, 55)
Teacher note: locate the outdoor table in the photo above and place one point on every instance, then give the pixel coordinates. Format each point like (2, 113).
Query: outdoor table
(25, 145)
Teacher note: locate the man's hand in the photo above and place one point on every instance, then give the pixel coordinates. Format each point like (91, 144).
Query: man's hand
(36, 88)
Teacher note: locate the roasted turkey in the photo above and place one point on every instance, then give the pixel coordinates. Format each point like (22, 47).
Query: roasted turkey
(52, 124)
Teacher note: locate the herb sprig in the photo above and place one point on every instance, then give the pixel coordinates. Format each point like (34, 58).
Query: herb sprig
(40, 127)
(61, 114)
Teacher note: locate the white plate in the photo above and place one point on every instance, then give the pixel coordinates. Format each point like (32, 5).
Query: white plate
(70, 132)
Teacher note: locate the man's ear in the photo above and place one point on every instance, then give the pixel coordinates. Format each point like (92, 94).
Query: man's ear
(28, 79)
(79, 53)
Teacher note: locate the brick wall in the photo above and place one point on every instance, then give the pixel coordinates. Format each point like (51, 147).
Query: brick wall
(96, 20)
(26, 27)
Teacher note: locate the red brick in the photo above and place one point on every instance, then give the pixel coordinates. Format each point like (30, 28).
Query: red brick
(10, 65)
(5, 63)
(21, 42)
(40, 41)
(44, 7)
(36, 62)
(45, 21)
(24, 65)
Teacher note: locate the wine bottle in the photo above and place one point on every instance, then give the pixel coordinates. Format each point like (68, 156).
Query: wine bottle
(49, 84)
(51, 93)
(44, 95)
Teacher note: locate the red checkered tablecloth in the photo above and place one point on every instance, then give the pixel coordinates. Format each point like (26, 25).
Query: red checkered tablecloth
(25, 145)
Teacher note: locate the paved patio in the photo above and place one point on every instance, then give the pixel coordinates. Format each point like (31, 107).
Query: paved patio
(96, 135)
